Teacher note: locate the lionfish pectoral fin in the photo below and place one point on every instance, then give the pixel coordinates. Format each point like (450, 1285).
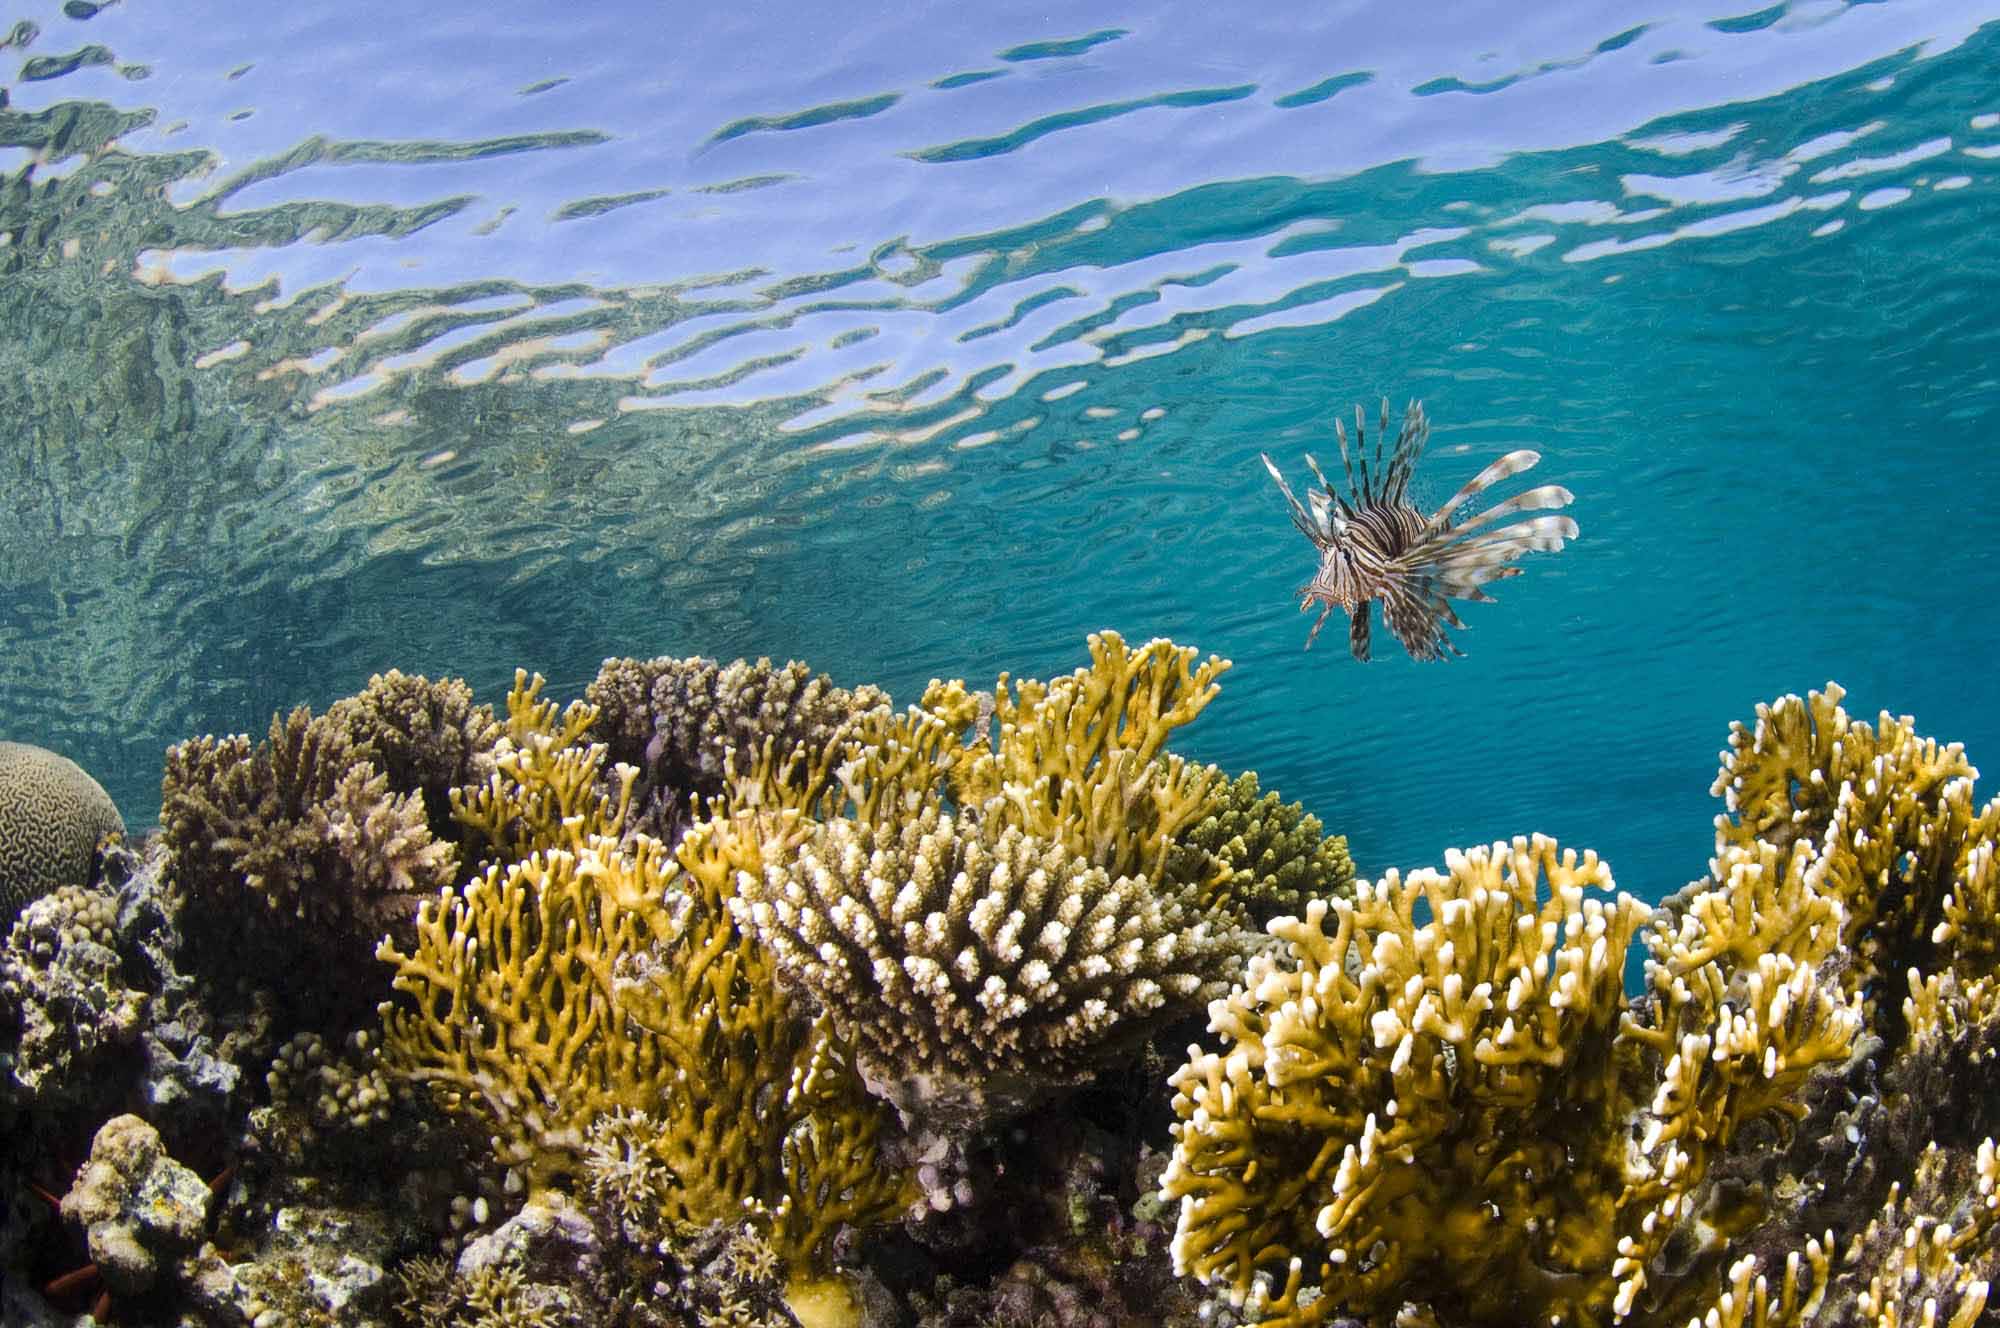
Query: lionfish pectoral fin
(1511, 464)
(1358, 620)
(1416, 615)
(1546, 497)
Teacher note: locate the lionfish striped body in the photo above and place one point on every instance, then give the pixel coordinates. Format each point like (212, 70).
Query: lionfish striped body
(1373, 544)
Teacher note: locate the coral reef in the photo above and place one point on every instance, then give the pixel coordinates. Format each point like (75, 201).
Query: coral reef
(53, 815)
(876, 1038)
(1445, 1106)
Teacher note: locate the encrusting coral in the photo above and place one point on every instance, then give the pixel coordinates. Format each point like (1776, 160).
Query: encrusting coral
(53, 815)
(592, 979)
(1453, 1110)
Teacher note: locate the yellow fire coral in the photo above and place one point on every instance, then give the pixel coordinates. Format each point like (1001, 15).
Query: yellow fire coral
(1444, 1105)
(583, 983)
(1080, 760)
(1401, 1118)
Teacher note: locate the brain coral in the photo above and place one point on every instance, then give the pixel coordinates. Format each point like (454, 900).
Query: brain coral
(52, 813)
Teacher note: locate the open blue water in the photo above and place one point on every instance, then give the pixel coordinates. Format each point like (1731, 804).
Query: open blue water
(923, 340)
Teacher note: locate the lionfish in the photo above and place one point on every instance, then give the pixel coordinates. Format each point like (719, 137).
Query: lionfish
(1376, 545)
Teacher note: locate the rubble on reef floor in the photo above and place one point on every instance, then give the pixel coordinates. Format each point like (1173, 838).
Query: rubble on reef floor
(726, 997)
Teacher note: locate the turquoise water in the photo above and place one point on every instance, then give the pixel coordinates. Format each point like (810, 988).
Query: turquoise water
(333, 339)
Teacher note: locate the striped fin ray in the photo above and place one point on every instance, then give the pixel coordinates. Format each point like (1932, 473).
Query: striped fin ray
(1325, 499)
(1340, 436)
(1511, 464)
(1381, 462)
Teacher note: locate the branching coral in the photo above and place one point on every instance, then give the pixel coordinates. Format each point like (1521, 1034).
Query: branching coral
(545, 778)
(975, 972)
(290, 858)
(582, 983)
(427, 737)
(1454, 1113)
(1258, 857)
(1081, 760)
(1891, 825)
(1453, 1110)
(1433, 1118)
(678, 721)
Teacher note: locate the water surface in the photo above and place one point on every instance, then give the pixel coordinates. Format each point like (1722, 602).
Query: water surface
(919, 344)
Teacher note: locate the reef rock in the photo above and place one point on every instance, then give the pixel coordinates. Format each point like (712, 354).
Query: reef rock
(135, 1204)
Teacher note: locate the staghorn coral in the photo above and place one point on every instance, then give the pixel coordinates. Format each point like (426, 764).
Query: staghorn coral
(53, 815)
(584, 983)
(1081, 760)
(1257, 857)
(1476, 1125)
(977, 972)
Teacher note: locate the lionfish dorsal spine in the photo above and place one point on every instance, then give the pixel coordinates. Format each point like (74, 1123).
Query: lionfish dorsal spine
(1299, 517)
(1409, 446)
(1384, 464)
(1340, 436)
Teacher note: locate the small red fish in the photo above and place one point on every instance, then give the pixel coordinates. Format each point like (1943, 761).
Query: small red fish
(1376, 545)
